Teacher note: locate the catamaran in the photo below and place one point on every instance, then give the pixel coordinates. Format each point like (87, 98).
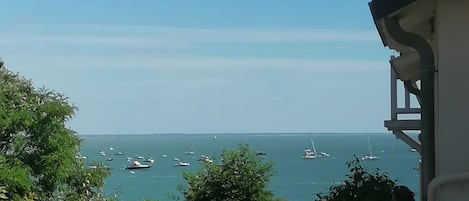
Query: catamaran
(312, 154)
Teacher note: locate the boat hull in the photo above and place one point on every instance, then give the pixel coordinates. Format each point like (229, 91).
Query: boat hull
(137, 167)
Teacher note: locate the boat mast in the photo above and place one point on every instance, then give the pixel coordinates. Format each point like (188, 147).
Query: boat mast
(369, 147)
(312, 144)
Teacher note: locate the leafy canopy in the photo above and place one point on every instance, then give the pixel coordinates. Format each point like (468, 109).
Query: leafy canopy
(37, 151)
(360, 185)
(240, 176)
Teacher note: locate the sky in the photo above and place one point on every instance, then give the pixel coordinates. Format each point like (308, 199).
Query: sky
(205, 66)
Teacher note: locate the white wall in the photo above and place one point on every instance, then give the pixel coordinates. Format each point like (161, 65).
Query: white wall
(452, 94)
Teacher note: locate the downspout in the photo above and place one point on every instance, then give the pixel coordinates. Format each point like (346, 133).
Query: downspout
(427, 79)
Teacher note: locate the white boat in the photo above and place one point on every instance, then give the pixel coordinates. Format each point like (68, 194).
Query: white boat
(180, 163)
(190, 151)
(102, 153)
(119, 153)
(308, 154)
(137, 165)
(164, 156)
(204, 158)
(312, 154)
(320, 154)
(150, 160)
(323, 155)
(175, 159)
(79, 156)
(369, 156)
(140, 157)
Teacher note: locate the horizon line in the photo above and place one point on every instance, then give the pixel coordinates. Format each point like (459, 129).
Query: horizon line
(235, 133)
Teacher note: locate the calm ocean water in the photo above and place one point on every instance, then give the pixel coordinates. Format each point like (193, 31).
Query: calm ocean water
(296, 179)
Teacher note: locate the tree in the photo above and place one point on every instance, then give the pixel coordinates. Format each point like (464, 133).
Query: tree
(3, 190)
(37, 151)
(241, 176)
(360, 185)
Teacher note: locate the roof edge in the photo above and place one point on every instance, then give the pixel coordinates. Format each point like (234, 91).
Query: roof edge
(382, 8)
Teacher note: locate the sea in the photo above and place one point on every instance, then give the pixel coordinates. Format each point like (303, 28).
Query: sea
(295, 178)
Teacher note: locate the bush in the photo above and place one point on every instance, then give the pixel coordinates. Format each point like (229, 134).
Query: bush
(360, 185)
(241, 176)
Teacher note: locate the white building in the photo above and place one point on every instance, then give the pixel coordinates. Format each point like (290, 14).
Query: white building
(431, 38)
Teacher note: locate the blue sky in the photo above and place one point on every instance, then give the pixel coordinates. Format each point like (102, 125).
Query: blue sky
(204, 66)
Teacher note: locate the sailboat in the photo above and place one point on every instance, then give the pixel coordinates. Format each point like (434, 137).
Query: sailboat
(312, 154)
(191, 150)
(369, 156)
(320, 154)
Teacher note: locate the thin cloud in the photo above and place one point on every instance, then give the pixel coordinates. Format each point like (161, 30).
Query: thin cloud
(141, 36)
(178, 63)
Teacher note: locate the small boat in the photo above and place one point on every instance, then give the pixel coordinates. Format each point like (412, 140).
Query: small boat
(369, 156)
(260, 153)
(137, 165)
(323, 155)
(140, 157)
(111, 148)
(109, 159)
(132, 172)
(180, 163)
(190, 151)
(413, 150)
(175, 159)
(164, 156)
(100, 167)
(79, 156)
(308, 154)
(206, 159)
(102, 153)
(150, 160)
(119, 153)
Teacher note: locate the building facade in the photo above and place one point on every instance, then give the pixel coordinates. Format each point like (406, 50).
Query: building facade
(431, 38)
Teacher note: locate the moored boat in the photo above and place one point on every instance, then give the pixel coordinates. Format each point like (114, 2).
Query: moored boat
(180, 164)
(137, 165)
(150, 160)
(204, 158)
(370, 155)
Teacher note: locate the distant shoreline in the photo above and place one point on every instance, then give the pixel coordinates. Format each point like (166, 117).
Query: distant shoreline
(247, 133)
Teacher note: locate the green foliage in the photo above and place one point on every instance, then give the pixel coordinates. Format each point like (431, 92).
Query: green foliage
(3, 193)
(241, 176)
(360, 185)
(37, 151)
